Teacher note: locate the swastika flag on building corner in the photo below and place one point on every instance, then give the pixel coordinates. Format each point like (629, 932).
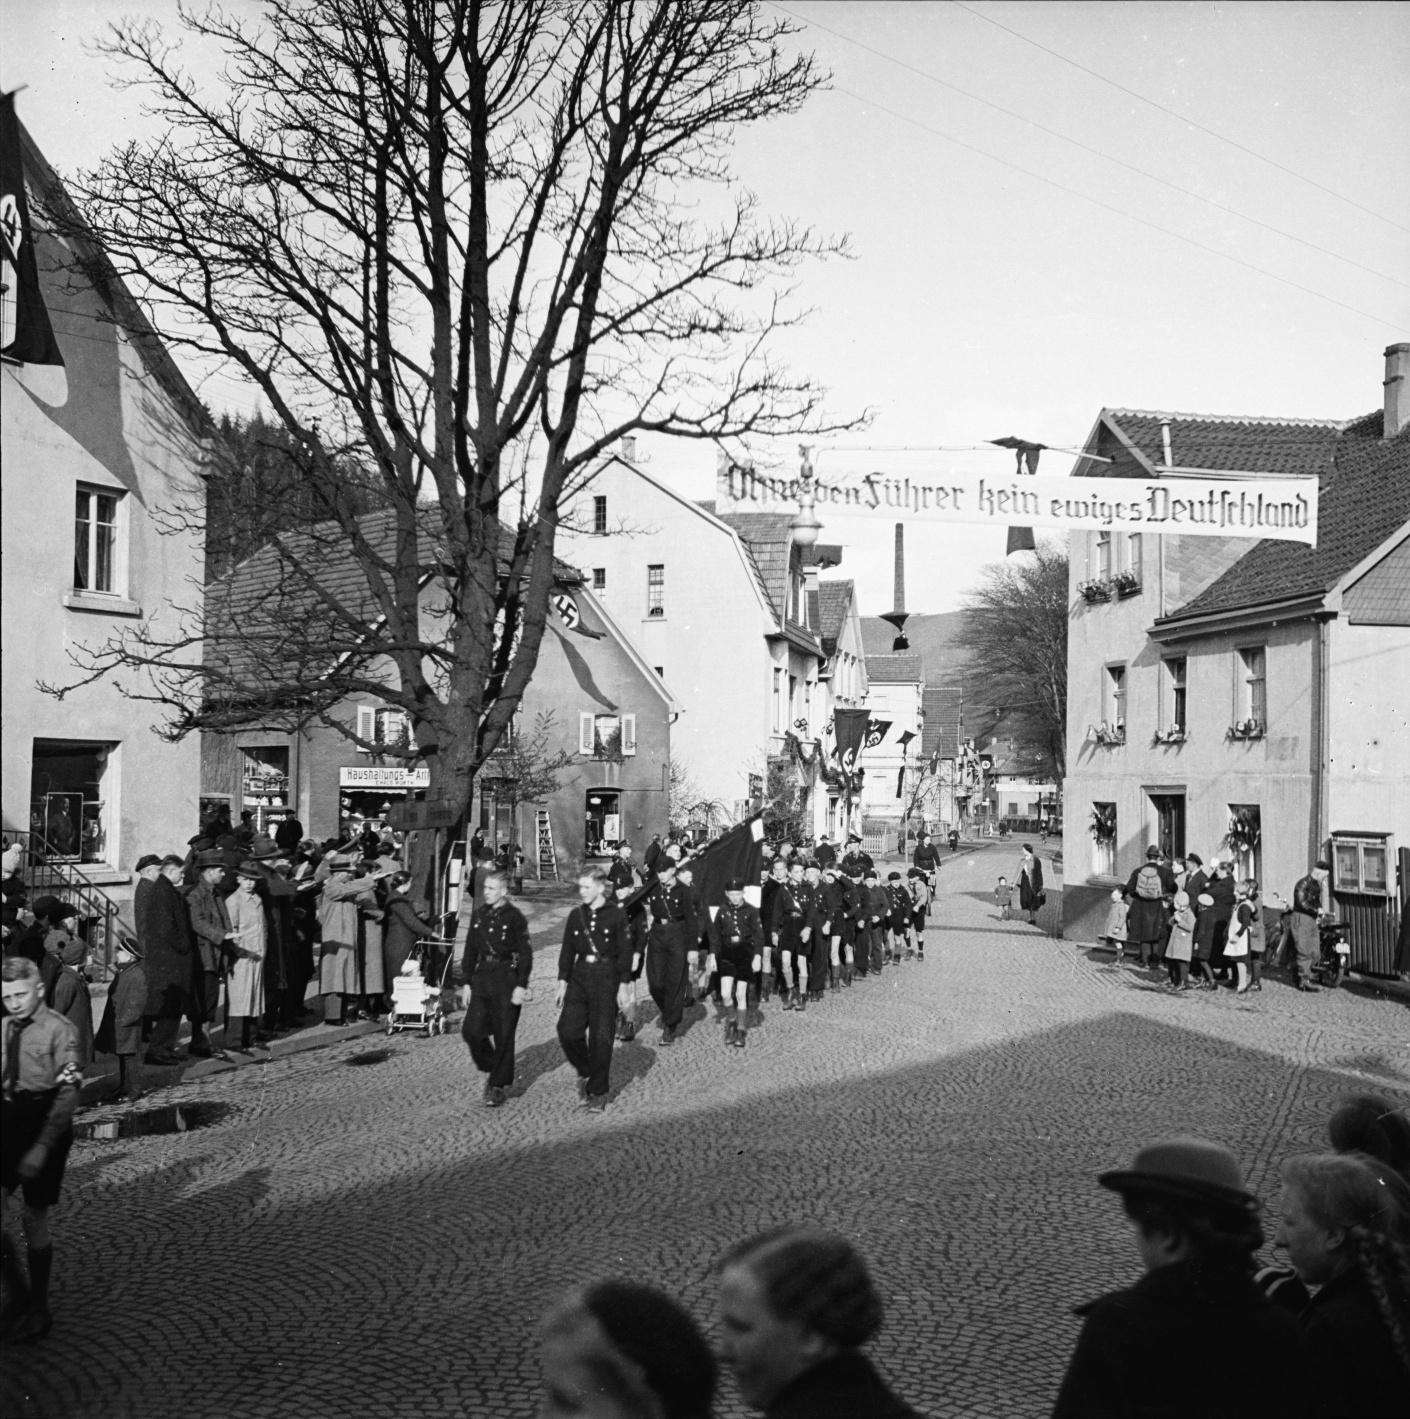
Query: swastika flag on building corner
(32, 339)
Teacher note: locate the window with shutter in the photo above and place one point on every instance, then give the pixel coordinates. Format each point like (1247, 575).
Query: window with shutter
(628, 734)
(366, 726)
(585, 728)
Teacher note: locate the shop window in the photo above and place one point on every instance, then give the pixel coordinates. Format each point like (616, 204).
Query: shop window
(599, 516)
(607, 736)
(265, 785)
(95, 541)
(656, 591)
(604, 822)
(72, 784)
(1253, 696)
(1361, 864)
(1245, 840)
(1104, 839)
(1012, 810)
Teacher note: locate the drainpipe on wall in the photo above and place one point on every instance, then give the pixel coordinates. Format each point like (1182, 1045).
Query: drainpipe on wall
(1169, 462)
(1321, 763)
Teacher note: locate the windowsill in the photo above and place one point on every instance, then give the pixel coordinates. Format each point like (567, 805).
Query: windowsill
(101, 602)
(100, 874)
(653, 620)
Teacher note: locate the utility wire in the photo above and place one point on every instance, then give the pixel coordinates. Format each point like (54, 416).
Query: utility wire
(1087, 148)
(1213, 132)
(1106, 206)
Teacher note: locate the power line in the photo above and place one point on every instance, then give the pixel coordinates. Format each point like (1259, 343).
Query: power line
(1087, 148)
(1213, 133)
(1106, 206)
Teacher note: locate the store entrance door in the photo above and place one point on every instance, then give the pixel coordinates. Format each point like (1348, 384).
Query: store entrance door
(1170, 824)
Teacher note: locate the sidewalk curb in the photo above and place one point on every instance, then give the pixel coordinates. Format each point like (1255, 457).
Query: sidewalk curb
(156, 1077)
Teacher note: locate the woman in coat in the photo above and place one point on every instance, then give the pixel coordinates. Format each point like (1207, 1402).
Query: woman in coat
(1030, 884)
(403, 925)
(246, 952)
(338, 914)
(796, 1305)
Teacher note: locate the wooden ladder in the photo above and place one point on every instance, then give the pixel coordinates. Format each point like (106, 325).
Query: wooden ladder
(547, 858)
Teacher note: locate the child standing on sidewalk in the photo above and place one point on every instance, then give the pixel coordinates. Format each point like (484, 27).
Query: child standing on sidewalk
(1256, 943)
(1114, 932)
(120, 1032)
(1180, 950)
(1003, 895)
(1236, 945)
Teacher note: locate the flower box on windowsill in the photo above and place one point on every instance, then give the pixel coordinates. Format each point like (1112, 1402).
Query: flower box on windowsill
(1109, 734)
(1094, 591)
(1176, 734)
(1126, 583)
(1247, 729)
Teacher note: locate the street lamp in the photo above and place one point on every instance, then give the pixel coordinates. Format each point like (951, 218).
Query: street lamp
(805, 525)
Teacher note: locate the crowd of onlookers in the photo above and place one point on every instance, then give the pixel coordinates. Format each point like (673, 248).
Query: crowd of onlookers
(1204, 1332)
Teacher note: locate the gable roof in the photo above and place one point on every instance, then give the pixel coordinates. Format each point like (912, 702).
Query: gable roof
(1284, 447)
(895, 670)
(834, 606)
(1364, 499)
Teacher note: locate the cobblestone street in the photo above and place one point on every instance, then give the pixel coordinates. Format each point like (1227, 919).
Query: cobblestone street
(371, 1240)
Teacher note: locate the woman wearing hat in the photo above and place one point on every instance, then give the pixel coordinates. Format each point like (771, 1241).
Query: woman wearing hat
(1194, 1336)
(247, 948)
(1030, 884)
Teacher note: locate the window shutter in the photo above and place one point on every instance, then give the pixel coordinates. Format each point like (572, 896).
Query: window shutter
(366, 726)
(585, 745)
(628, 734)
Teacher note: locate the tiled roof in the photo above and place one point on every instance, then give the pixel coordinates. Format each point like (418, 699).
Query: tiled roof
(1363, 500)
(894, 669)
(1273, 446)
(1382, 596)
(940, 705)
(834, 601)
(766, 534)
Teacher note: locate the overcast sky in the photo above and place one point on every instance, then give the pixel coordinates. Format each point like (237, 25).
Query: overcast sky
(984, 300)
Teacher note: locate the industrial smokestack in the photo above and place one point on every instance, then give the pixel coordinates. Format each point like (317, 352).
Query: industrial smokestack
(897, 616)
(1397, 386)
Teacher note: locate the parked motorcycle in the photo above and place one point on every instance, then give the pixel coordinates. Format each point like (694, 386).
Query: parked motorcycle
(1334, 954)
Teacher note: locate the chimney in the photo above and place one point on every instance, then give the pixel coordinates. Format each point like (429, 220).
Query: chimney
(900, 567)
(1397, 386)
(629, 447)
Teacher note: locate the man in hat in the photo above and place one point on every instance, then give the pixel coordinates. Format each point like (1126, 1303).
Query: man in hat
(1196, 1231)
(1148, 894)
(668, 943)
(164, 931)
(210, 925)
(824, 854)
(737, 953)
(854, 857)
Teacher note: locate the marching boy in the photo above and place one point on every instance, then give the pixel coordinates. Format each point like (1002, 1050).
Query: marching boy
(921, 897)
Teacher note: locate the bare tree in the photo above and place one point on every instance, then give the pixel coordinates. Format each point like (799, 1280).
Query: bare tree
(1015, 643)
(465, 248)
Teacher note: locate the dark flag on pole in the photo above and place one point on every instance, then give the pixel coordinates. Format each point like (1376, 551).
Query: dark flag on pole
(737, 853)
(32, 340)
(1021, 538)
(850, 728)
(876, 732)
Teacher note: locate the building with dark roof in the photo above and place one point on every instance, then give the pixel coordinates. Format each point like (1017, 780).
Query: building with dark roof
(840, 629)
(729, 609)
(1248, 698)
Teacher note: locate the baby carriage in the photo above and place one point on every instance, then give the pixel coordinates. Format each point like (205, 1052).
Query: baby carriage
(416, 1001)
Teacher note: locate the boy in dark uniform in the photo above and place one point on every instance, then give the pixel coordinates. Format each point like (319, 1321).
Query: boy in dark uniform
(773, 883)
(594, 977)
(622, 882)
(818, 942)
(855, 857)
(855, 946)
(876, 907)
(791, 933)
(900, 919)
(833, 904)
(493, 976)
(737, 953)
(38, 1095)
(672, 922)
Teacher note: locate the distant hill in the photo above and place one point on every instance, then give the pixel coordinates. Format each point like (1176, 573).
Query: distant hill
(931, 637)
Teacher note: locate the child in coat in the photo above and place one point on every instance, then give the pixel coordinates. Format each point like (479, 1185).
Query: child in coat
(1236, 944)
(1256, 942)
(1114, 932)
(69, 992)
(1180, 950)
(1003, 895)
(120, 1032)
